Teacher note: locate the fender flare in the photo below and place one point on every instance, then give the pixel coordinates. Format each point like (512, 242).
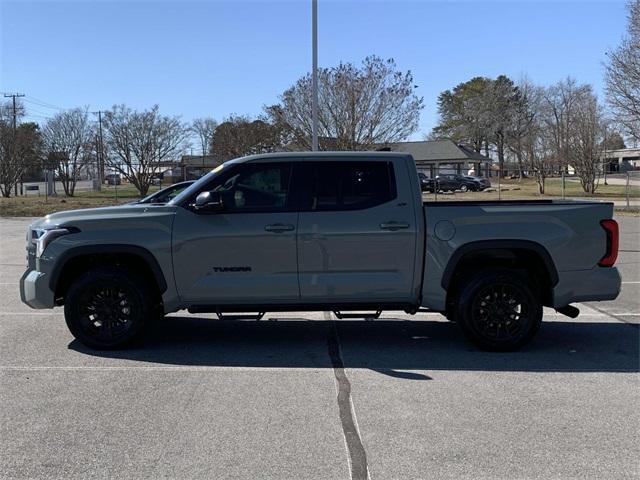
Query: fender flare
(471, 247)
(83, 250)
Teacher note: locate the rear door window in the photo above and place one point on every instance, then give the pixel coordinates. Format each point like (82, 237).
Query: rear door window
(336, 186)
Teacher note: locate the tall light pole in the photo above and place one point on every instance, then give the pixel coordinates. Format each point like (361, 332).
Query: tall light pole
(314, 75)
(605, 163)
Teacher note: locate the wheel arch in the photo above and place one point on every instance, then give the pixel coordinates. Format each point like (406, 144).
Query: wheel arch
(76, 260)
(516, 254)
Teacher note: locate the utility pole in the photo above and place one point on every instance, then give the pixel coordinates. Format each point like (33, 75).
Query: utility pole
(314, 74)
(15, 116)
(101, 150)
(15, 113)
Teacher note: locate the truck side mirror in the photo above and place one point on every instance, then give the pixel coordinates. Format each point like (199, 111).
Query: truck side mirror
(209, 202)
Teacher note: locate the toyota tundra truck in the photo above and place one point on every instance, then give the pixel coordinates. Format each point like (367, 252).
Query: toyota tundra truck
(346, 232)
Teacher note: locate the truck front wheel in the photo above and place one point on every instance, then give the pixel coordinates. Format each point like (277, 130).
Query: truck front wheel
(498, 310)
(106, 308)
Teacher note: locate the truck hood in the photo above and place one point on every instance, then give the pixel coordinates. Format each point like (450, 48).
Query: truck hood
(102, 214)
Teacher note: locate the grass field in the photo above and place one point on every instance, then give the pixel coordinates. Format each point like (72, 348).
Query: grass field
(38, 206)
(34, 206)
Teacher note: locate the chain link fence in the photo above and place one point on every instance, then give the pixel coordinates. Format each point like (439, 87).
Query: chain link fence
(462, 182)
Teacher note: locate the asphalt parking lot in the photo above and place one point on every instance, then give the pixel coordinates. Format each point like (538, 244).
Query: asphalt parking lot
(303, 396)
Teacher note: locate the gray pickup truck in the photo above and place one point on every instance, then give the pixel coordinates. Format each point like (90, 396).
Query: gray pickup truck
(345, 232)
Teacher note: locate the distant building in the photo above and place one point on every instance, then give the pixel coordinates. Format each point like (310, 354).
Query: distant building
(621, 160)
(192, 167)
(434, 157)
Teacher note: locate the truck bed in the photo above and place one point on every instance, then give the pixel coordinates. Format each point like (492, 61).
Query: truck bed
(565, 233)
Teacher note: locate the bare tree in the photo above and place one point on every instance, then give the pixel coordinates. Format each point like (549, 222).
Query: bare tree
(573, 122)
(203, 129)
(359, 107)
(69, 137)
(501, 103)
(587, 140)
(239, 135)
(559, 111)
(537, 154)
(19, 150)
(622, 76)
(522, 121)
(140, 143)
(535, 141)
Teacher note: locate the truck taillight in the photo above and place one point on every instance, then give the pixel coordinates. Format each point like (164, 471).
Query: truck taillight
(613, 238)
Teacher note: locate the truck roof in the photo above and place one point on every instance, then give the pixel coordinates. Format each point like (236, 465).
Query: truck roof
(319, 156)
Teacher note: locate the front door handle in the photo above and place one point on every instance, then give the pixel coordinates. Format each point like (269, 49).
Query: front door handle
(279, 227)
(393, 226)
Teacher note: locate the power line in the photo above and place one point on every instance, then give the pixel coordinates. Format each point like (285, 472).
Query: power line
(40, 112)
(38, 104)
(33, 115)
(42, 103)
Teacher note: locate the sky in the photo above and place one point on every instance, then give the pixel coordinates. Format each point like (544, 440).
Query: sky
(215, 58)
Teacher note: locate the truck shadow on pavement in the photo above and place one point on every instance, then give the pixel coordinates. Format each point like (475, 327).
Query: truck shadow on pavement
(386, 346)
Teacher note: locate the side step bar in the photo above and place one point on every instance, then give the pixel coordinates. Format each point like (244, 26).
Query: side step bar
(248, 316)
(367, 316)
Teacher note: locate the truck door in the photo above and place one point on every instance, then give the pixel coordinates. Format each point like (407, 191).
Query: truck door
(246, 253)
(356, 233)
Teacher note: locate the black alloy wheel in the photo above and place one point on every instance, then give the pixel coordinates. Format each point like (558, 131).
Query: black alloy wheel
(498, 310)
(107, 308)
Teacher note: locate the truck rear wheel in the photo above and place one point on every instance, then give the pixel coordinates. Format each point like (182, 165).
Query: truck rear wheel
(107, 308)
(498, 310)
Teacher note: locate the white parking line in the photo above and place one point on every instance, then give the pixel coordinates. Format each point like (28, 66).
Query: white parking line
(212, 368)
(31, 313)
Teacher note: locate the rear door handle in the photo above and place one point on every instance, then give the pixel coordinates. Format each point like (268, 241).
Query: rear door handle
(394, 226)
(279, 227)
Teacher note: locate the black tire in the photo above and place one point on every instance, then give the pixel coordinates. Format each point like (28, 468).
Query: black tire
(107, 308)
(498, 310)
(464, 188)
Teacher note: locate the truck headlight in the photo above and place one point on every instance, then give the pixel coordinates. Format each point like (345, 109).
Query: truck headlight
(42, 237)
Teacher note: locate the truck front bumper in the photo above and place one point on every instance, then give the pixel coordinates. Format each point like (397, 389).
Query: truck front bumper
(35, 291)
(599, 283)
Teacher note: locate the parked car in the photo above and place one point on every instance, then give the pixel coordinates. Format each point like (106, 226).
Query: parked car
(167, 194)
(477, 183)
(451, 182)
(426, 183)
(112, 179)
(320, 231)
